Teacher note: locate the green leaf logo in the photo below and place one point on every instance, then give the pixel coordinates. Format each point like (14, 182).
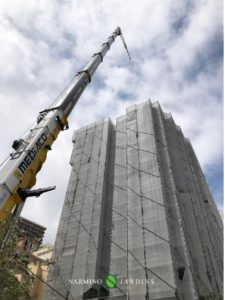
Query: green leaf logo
(110, 281)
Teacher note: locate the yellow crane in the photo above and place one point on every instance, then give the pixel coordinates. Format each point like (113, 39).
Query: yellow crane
(18, 175)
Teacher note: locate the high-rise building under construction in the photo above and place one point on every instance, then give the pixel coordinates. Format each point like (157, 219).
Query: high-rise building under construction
(137, 207)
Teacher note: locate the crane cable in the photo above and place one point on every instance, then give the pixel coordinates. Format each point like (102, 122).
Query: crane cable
(125, 45)
(46, 284)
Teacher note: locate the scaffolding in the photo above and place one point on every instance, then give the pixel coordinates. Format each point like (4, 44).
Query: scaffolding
(137, 206)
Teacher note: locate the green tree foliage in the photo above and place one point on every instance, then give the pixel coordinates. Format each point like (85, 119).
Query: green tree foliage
(13, 262)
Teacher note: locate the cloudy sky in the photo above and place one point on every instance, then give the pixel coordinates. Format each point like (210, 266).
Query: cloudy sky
(176, 48)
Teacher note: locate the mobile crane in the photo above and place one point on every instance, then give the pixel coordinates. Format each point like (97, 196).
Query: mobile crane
(18, 175)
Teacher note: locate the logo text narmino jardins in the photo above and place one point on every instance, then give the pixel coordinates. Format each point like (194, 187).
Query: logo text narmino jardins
(111, 281)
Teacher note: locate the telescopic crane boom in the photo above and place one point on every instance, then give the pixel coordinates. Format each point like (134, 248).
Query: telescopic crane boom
(18, 175)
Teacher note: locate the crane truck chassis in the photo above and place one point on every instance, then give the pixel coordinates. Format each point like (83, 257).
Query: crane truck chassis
(18, 175)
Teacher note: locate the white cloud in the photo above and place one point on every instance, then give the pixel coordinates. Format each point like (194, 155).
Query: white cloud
(173, 46)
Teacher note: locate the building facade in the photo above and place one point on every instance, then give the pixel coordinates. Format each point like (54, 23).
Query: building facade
(32, 236)
(137, 207)
(39, 266)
